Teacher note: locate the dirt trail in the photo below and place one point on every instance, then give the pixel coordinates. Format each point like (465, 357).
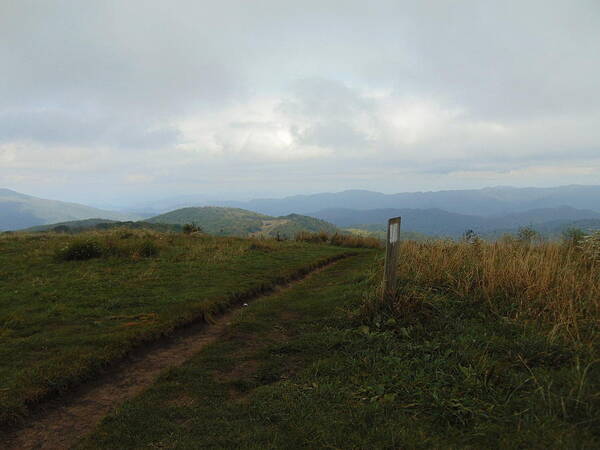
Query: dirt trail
(61, 423)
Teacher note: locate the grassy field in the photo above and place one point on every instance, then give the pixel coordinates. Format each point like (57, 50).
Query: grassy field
(307, 368)
(63, 318)
(484, 345)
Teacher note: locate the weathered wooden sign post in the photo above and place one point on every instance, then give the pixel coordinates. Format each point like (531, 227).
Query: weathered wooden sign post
(392, 247)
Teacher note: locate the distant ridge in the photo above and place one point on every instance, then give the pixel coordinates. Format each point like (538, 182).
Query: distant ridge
(437, 222)
(483, 202)
(18, 211)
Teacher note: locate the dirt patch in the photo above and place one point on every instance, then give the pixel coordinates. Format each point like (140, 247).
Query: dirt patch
(60, 423)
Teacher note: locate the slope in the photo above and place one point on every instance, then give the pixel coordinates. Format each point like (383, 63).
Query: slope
(19, 211)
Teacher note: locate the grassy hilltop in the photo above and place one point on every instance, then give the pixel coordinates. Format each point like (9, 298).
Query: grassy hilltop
(483, 345)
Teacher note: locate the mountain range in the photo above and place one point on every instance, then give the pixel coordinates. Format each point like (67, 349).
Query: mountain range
(437, 222)
(441, 213)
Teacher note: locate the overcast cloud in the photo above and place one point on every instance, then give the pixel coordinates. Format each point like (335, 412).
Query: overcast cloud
(112, 101)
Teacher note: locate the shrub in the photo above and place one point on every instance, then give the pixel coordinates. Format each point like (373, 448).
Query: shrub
(147, 249)
(528, 235)
(262, 246)
(190, 228)
(470, 237)
(573, 237)
(80, 250)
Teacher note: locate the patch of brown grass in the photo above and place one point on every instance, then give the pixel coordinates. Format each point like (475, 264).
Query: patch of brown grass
(554, 285)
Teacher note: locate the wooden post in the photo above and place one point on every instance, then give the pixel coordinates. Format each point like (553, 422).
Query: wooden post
(392, 246)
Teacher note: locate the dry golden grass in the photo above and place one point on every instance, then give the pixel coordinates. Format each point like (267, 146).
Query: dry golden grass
(550, 284)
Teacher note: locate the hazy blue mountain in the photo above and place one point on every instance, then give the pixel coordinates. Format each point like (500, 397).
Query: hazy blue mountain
(438, 222)
(562, 214)
(483, 202)
(19, 211)
(433, 222)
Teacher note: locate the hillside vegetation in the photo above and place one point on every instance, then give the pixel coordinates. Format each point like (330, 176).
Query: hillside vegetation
(240, 222)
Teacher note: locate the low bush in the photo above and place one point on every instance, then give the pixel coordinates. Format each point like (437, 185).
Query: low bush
(190, 228)
(121, 244)
(79, 250)
(147, 249)
(572, 237)
(262, 246)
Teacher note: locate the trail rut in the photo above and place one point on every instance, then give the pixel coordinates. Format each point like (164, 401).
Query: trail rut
(60, 423)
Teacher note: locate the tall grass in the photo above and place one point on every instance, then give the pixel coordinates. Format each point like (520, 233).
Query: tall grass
(340, 240)
(552, 285)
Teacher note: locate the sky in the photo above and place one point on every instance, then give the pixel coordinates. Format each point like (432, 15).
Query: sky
(113, 102)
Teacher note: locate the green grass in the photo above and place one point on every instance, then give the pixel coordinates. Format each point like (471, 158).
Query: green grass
(300, 369)
(62, 321)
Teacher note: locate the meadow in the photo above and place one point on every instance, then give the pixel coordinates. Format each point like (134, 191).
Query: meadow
(328, 365)
(72, 304)
(484, 345)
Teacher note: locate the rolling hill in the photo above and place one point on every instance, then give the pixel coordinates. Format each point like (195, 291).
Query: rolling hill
(18, 211)
(240, 222)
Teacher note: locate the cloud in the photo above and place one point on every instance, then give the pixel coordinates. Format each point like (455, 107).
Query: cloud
(54, 126)
(191, 93)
